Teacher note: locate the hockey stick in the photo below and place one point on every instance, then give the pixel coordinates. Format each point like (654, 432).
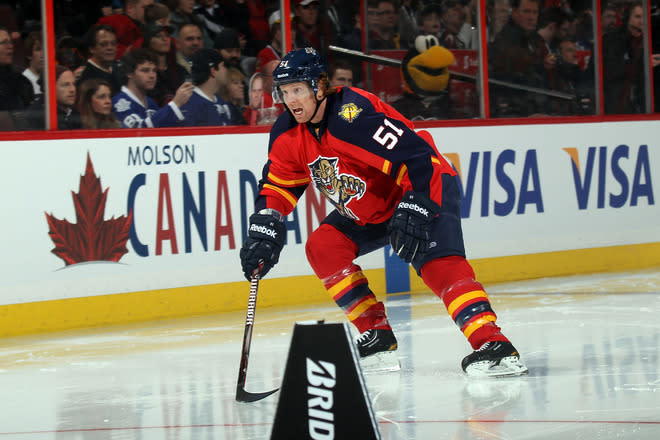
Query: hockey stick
(392, 62)
(241, 394)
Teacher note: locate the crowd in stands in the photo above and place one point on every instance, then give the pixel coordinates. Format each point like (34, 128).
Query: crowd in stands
(164, 63)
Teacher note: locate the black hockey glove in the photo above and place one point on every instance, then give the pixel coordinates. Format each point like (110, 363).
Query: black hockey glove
(264, 242)
(410, 227)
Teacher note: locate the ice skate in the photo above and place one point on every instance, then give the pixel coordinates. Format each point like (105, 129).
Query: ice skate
(494, 359)
(377, 349)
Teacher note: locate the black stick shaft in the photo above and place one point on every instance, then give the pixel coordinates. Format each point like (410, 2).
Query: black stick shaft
(247, 335)
(241, 394)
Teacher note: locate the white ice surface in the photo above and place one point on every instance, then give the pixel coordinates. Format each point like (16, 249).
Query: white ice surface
(591, 344)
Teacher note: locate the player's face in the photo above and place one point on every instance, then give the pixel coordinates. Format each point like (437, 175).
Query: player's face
(101, 101)
(65, 88)
(299, 98)
(145, 76)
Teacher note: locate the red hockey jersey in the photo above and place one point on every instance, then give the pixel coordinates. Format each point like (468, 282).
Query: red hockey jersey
(363, 157)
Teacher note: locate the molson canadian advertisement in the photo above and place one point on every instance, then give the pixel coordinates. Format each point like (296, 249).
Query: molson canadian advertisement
(86, 217)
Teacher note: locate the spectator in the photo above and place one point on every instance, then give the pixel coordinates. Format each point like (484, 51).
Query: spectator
(273, 50)
(341, 74)
(227, 43)
(133, 107)
(157, 13)
(16, 91)
(351, 38)
(232, 91)
(457, 34)
(102, 64)
(183, 13)
(154, 14)
(497, 15)
(34, 54)
(68, 53)
(95, 104)
(170, 74)
(215, 16)
(334, 17)
(267, 72)
(514, 57)
(623, 64)
(257, 29)
(407, 22)
(430, 20)
(570, 78)
(608, 18)
(385, 35)
(68, 118)
(311, 28)
(584, 30)
(127, 25)
(205, 108)
(261, 110)
(189, 41)
(549, 24)
(256, 99)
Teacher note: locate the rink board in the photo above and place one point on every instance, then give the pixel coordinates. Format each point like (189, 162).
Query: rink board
(170, 213)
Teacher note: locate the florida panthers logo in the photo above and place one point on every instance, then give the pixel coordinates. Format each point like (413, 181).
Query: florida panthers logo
(340, 189)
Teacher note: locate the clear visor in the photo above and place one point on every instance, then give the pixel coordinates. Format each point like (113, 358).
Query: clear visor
(293, 92)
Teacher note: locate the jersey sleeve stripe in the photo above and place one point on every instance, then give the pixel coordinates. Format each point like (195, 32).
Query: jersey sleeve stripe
(283, 182)
(292, 200)
(387, 167)
(402, 172)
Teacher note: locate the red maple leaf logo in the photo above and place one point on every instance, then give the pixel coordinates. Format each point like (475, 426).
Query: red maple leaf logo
(91, 238)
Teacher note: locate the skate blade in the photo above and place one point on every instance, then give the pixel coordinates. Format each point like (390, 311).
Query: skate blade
(382, 362)
(507, 367)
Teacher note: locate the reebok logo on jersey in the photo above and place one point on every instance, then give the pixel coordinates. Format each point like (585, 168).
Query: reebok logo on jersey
(263, 230)
(413, 207)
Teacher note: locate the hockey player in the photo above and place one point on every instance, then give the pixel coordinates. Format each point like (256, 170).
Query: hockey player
(205, 108)
(388, 184)
(133, 107)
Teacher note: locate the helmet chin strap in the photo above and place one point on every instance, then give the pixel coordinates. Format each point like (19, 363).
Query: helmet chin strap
(318, 104)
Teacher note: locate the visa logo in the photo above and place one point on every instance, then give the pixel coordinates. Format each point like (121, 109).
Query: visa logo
(615, 177)
(496, 173)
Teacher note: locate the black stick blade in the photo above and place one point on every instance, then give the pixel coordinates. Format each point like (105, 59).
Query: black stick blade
(246, 396)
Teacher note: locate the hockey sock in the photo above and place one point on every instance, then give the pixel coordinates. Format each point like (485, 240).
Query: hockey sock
(331, 255)
(351, 292)
(453, 280)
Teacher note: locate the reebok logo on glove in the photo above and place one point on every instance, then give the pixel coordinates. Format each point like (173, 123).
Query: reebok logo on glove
(263, 230)
(414, 207)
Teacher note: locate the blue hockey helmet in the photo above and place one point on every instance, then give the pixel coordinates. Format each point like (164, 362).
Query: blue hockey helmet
(305, 64)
